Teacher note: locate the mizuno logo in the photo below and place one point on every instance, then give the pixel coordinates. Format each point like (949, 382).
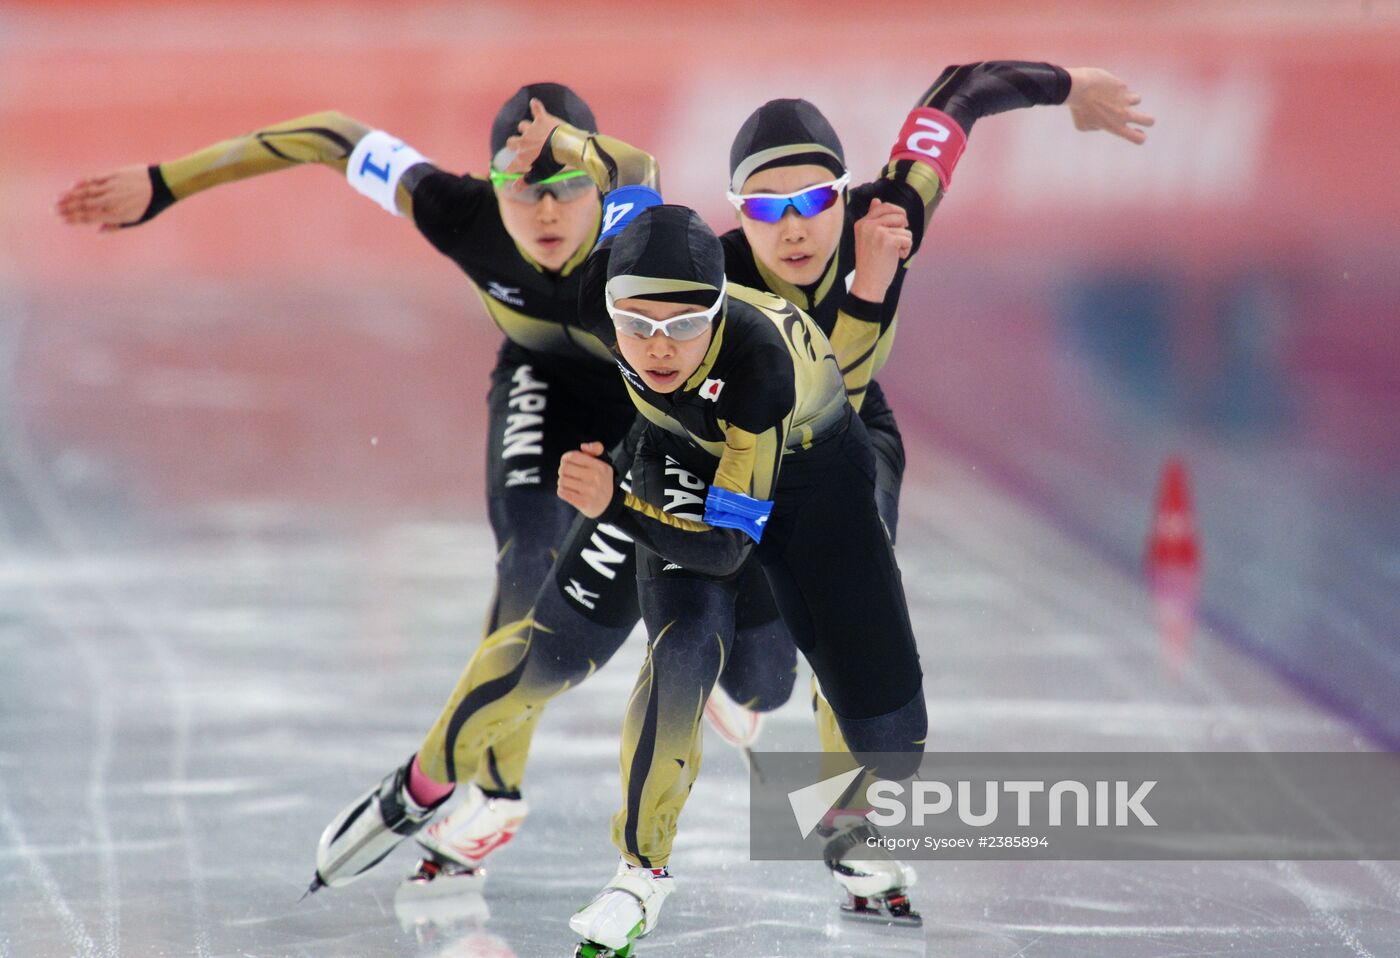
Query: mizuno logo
(631, 376)
(506, 294)
(582, 596)
(529, 476)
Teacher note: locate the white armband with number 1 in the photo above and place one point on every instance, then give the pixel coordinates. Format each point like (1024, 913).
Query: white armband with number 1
(377, 164)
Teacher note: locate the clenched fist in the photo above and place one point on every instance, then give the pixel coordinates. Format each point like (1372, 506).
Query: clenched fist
(883, 239)
(586, 480)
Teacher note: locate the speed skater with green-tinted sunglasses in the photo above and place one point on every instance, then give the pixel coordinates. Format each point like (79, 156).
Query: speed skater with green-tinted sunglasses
(554, 384)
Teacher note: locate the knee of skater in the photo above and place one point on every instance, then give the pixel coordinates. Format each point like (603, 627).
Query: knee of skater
(757, 691)
(523, 566)
(892, 766)
(890, 744)
(566, 643)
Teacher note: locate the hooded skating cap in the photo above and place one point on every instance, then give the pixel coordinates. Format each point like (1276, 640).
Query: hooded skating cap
(667, 253)
(784, 133)
(557, 99)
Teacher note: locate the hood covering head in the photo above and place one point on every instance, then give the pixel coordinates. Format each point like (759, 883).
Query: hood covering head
(557, 99)
(667, 253)
(784, 133)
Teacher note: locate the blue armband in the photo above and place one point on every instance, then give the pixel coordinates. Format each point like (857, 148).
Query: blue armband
(734, 510)
(623, 205)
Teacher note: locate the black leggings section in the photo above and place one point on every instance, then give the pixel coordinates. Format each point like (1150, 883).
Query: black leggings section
(761, 669)
(888, 447)
(762, 665)
(538, 410)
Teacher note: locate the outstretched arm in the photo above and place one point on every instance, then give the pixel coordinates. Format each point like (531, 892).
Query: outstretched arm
(935, 133)
(902, 201)
(1097, 99)
(132, 195)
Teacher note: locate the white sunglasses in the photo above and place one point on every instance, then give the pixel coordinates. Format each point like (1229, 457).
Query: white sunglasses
(683, 327)
(808, 201)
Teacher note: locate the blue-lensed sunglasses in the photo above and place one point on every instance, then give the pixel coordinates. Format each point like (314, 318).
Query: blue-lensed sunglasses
(770, 207)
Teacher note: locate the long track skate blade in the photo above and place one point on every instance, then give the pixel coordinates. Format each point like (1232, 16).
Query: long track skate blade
(316, 885)
(411, 889)
(753, 765)
(443, 886)
(878, 916)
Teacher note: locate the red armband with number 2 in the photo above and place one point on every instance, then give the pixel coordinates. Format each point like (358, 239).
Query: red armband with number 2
(933, 137)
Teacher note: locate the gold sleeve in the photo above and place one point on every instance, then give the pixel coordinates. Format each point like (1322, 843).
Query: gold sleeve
(749, 463)
(327, 138)
(856, 345)
(922, 178)
(607, 160)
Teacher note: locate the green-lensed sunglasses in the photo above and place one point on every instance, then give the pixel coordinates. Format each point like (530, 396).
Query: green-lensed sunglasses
(563, 186)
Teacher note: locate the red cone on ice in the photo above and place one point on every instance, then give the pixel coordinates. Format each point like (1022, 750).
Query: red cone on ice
(1173, 563)
(1173, 542)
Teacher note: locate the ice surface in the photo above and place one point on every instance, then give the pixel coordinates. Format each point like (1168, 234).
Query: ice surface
(180, 716)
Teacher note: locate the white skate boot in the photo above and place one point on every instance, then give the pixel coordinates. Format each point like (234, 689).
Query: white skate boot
(876, 885)
(458, 843)
(368, 829)
(626, 909)
(735, 724)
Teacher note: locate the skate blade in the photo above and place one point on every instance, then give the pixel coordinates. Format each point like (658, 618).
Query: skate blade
(879, 916)
(443, 885)
(591, 949)
(316, 885)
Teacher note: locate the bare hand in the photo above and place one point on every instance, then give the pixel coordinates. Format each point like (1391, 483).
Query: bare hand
(528, 143)
(586, 481)
(883, 239)
(1098, 100)
(113, 199)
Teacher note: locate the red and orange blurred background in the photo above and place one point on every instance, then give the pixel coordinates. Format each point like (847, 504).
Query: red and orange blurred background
(1082, 308)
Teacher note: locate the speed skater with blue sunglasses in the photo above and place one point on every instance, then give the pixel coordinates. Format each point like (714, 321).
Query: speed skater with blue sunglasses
(839, 252)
